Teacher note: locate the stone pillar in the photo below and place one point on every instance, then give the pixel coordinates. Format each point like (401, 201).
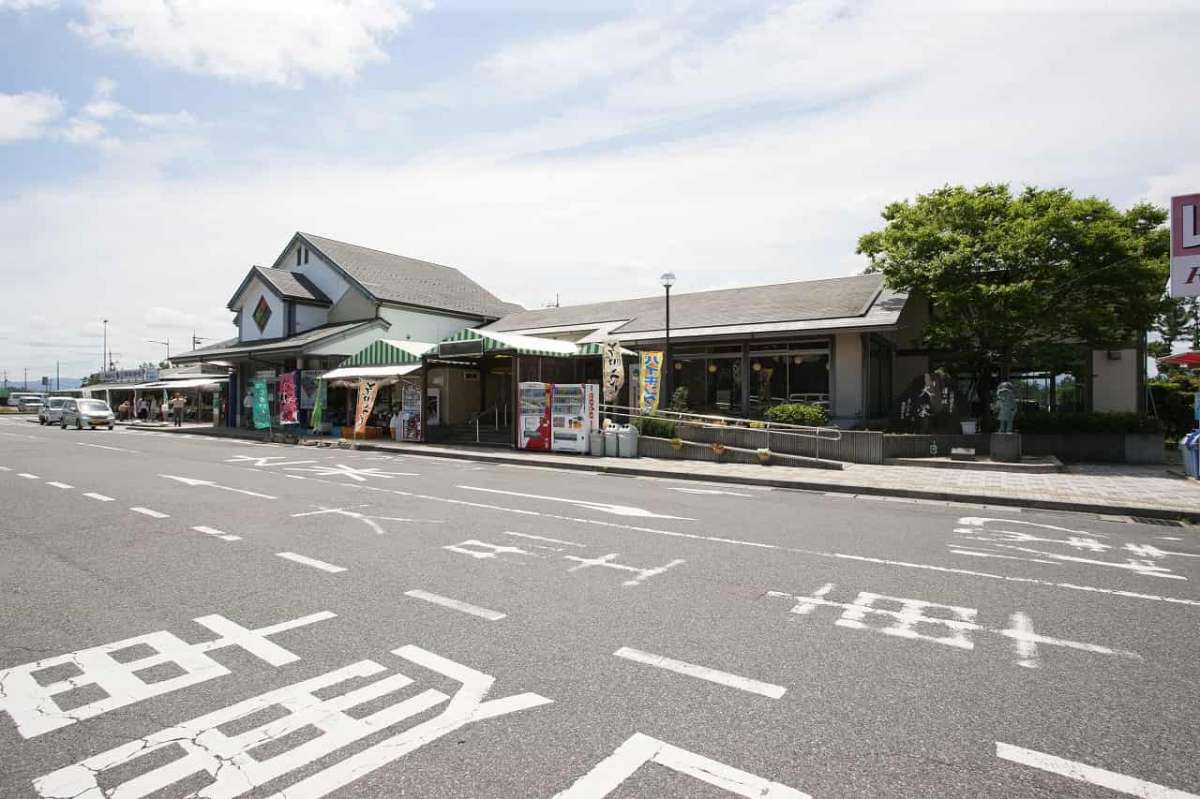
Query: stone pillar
(1006, 447)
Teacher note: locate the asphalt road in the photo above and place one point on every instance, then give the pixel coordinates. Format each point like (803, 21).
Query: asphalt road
(470, 630)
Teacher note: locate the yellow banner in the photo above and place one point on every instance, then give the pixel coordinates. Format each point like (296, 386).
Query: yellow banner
(651, 380)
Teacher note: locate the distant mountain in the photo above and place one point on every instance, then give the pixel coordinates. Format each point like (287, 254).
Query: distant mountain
(35, 383)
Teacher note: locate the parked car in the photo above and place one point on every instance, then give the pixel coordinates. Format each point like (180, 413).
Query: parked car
(87, 413)
(51, 412)
(29, 404)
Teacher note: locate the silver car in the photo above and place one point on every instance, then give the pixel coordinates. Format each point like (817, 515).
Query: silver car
(29, 404)
(51, 411)
(87, 413)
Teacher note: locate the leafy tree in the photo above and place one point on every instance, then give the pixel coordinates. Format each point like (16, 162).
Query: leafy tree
(1179, 320)
(1021, 280)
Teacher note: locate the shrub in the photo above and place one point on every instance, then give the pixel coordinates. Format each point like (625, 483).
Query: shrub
(798, 413)
(679, 400)
(1173, 404)
(658, 428)
(1087, 423)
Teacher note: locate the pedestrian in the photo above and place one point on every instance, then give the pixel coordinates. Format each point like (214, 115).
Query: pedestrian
(394, 423)
(143, 409)
(177, 406)
(248, 407)
(123, 410)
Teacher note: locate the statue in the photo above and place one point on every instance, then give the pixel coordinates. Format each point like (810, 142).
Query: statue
(1005, 406)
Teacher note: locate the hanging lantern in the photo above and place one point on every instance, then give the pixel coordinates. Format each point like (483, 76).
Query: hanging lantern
(712, 368)
(757, 366)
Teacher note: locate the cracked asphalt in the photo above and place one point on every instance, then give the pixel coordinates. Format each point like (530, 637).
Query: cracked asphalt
(773, 643)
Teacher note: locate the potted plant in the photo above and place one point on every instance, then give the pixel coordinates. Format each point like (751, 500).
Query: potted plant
(764, 455)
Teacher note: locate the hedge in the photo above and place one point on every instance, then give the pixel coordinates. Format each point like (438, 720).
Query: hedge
(659, 428)
(1087, 423)
(800, 413)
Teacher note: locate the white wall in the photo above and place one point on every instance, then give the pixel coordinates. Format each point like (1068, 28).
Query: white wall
(417, 326)
(248, 300)
(1114, 383)
(324, 276)
(309, 316)
(847, 375)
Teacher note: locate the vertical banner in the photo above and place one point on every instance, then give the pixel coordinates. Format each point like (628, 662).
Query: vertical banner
(613, 374)
(317, 417)
(216, 407)
(411, 409)
(367, 391)
(262, 408)
(651, 376)
(591, 403)
(289, 412)
(309, 379)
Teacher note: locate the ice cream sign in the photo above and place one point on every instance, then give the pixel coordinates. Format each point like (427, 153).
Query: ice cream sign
(1185, 246)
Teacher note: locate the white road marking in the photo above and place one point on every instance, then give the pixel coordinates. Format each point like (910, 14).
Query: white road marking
(101, 446)
(31, 703)
(370, 521)
(606, 561)
(687, 490)
(606, 507)
(702, 672)
(455, 604)
(192, 481)
(100, 497)
(1169, 538)
(607, 775)
(978, 553)
(221, 534)
(57, 484)
(28, 476)
(153, 514)
(316, 564)
(543, 538)
(359, 475)
(1130, 786)
(279, 460)
(5, 469)
(760, 545)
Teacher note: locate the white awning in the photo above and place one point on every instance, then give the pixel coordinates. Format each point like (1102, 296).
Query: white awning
(368, 372)
(194, 382)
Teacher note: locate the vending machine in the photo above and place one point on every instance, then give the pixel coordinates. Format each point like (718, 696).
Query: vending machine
(533, 421)
(569, 418)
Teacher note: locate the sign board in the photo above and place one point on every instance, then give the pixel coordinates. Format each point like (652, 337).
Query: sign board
(614, 375)
(1185, 246)
(45, 380)
(262, 406)
(128, 376)
(651, 377)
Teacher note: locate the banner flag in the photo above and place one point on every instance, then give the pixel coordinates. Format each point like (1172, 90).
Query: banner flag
(614, 373)
(318, 409)
(650, 377)
(262, 408)
(308, 388)
(288, 410)
(367, 391)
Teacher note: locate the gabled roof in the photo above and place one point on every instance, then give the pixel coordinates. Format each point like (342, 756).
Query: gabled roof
(406, 281)
(297, 342)
(288, 285)
(809, 303)
(388, 352)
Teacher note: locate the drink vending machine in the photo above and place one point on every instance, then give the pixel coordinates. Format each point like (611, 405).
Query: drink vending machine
(533, 421)
(569, 418)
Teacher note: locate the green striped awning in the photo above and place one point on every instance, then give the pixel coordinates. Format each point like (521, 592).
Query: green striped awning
(388, 352)
(477, 342)
(596, 348)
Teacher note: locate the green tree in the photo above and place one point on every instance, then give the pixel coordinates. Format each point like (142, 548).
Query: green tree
(1021, 280)
(1179, 320)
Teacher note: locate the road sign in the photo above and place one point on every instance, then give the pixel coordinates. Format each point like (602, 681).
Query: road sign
(1185, 246)
(45, 381)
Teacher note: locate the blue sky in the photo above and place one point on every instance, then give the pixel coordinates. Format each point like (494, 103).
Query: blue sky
(152, 150)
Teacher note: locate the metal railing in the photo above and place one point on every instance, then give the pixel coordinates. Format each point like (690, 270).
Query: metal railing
(778, 431)
(495, 412)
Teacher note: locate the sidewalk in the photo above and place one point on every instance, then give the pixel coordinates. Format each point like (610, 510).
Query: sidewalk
(1116, 489)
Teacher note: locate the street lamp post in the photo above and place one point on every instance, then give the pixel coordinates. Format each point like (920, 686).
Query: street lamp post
(668, 280)
(166, 343)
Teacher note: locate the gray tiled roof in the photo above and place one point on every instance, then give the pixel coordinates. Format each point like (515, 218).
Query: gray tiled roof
(293, 285)
(235, 347)
(805, 301)
(396, 278)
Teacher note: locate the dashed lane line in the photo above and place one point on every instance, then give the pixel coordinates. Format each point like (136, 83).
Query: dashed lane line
(153, 514)
(57, 484)
(215, 533)
(455, 604)
(316, 564)
(702, 672)
(102, 446)
(1121, 783)
(28, 476)
(99, 497)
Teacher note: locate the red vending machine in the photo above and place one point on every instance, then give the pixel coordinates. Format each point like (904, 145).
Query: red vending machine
(533, 423)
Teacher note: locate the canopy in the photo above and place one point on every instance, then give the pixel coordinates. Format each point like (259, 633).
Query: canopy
(370, 372)
(1189, 359)
(194, 382)
(477, 342)
(388, 352)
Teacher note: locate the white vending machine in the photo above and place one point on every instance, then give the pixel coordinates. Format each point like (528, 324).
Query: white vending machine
(569, 420)
(533, 420)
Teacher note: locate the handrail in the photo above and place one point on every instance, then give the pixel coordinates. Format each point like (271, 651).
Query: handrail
(495, 411)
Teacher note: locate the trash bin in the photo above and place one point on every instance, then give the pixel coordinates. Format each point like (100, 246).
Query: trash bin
(1189, 448)
(596, 442)
(627, 438)
(610, 442)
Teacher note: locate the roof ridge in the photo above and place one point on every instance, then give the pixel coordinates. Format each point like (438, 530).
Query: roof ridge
(381, 252)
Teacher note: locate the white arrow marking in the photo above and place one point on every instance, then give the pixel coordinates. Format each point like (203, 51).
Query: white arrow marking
(192, 481)
(619, 510)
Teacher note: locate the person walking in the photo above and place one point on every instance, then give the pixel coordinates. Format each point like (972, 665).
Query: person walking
(248, 410)
(178, 403)
(155, 411)
(143, 409)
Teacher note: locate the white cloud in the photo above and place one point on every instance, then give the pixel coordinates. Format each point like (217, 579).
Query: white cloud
(562, 61)
(23, 5)
(91, 125)
(169, 318)
(27, 115)
(266, 41)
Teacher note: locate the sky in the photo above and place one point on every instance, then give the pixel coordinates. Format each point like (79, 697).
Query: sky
(151, 151)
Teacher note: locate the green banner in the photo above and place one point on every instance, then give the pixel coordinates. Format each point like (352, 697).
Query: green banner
(318, 410)
(262, 409)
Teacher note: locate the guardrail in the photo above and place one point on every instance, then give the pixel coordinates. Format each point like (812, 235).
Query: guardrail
(791, 439)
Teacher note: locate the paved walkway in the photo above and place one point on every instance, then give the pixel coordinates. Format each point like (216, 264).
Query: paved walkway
(1149, 491)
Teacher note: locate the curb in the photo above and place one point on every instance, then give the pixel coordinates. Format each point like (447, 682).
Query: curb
(585, 465)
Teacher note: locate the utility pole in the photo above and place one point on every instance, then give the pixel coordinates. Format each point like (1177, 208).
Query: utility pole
(104, 361)
(166, 343)
(57, 377)
(26, 378)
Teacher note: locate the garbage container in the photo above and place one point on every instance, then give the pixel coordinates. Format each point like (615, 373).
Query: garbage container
(627, 438)
(1189, 447)
(596, 442)
(610, 442)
